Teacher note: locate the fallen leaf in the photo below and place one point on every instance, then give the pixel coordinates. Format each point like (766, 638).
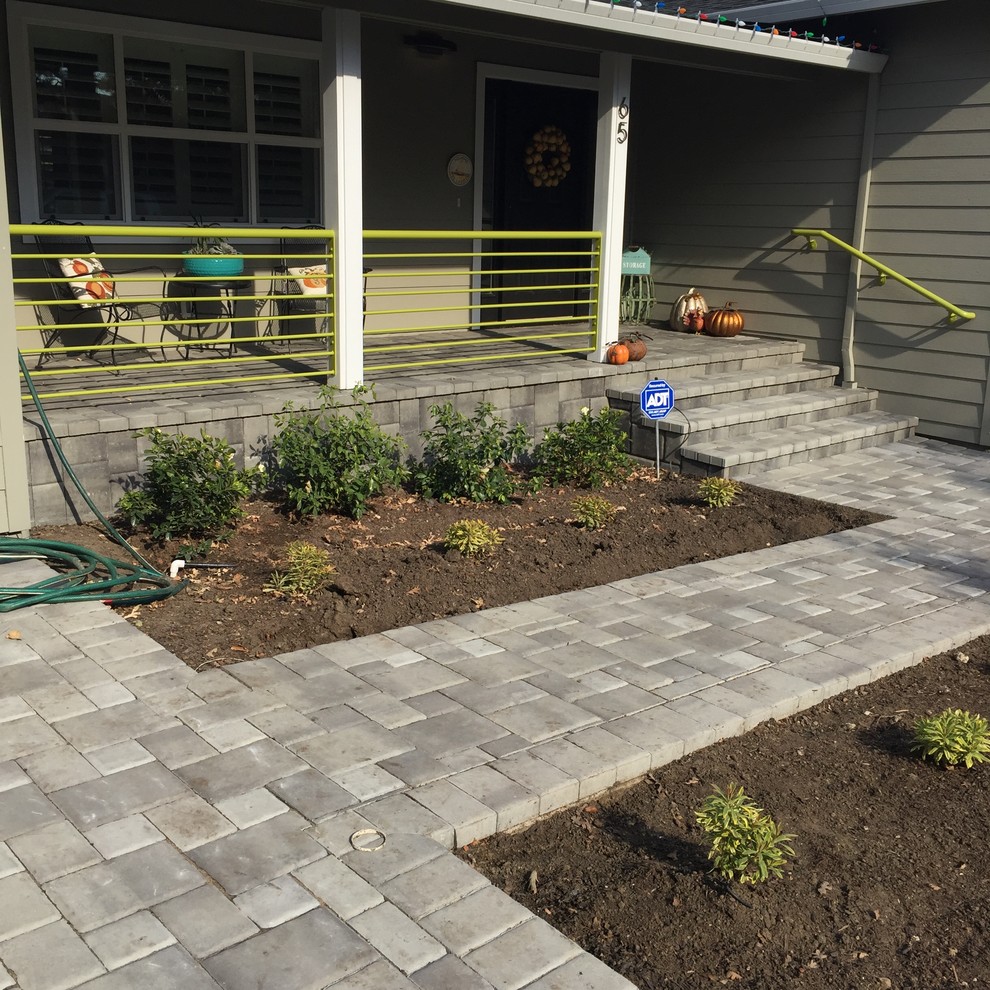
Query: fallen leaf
(733, 975)
(239, 649)
(590, 809)
(532, 882)
(13, 634)
(413, 591)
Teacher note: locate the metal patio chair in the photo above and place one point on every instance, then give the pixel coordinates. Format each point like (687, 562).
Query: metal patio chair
(84, 292)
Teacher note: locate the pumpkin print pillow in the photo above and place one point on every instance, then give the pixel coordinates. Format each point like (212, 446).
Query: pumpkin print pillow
(312, 281)
(89, 281)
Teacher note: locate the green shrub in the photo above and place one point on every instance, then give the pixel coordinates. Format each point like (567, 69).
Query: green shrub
(952, 737)
(309, 570)
(717, 493)
(468, 457)
(747, 845)
(331, 459)
(472, 538)
(588, 452)
(593, 511)
(191, 486)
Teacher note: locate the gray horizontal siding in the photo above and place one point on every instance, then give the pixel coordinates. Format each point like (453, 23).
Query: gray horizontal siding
(929, 218)
(718, 180)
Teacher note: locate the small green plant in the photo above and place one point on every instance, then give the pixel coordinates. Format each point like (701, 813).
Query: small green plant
(333, 460)
(747, 845)
(472, 538)
(593, 511)
(191, 486)
(717, 493)
(588, 452)
(468, 456)
(953, 737)
(309, 570)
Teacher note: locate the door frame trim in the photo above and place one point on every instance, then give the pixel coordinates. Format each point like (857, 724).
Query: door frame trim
(513, 73)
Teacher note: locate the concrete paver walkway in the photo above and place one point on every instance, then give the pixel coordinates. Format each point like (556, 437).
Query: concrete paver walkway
(161, 828)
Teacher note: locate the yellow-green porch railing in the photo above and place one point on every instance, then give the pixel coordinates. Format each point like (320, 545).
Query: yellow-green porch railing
(519, 294)
(270, 327)
(433, 298)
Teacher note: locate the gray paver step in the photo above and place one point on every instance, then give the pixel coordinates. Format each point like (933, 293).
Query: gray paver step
(737, 456)
(704, 424)
(734, 386)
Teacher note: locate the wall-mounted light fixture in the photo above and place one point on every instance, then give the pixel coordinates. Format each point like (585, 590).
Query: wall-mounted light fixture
(429, 45)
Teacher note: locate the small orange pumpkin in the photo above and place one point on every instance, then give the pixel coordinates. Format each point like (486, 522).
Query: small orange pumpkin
(724, 322)
(617, 354)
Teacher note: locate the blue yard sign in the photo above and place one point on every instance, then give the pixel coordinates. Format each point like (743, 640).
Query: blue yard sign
(657, 399)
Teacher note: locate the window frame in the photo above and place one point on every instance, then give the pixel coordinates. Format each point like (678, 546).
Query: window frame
(23, 15)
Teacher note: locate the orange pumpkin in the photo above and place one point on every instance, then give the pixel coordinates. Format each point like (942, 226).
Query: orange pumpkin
(617, 354)
(724, 322)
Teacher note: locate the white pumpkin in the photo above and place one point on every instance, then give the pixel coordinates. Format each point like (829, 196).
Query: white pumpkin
(692, 301)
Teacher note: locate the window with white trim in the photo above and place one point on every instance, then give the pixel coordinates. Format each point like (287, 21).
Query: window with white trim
(135, 126)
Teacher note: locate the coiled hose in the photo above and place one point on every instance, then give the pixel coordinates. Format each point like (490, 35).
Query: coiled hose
(83, 575)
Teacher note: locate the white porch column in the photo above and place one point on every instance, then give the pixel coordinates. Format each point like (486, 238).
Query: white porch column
(342, 183)
(614, 116)
(15, 505)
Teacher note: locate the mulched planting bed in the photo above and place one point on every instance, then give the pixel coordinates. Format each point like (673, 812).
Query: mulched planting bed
(889, 888)
(392, 569)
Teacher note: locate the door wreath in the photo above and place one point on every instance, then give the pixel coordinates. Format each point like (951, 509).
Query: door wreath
(548, 157)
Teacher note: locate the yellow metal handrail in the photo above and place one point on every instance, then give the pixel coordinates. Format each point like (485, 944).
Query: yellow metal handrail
(883, 271)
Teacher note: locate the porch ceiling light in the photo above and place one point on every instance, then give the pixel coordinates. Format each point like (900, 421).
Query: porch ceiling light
(429, 45)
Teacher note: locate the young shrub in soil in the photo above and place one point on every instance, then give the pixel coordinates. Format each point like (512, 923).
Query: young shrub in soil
(588, 452)
(332, 459)
(747, 845)
(593, 511)
(468, 456)
(472, 538)
(952, 737)
(309, 571)
(717, 493)
(191, 487)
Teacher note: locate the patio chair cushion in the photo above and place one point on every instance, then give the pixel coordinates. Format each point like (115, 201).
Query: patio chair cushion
(312, 280)
(92, 285)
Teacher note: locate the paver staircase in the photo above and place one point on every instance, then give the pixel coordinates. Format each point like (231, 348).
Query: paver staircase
(745, 408)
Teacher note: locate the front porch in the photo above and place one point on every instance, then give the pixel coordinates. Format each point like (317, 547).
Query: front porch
(764, 375)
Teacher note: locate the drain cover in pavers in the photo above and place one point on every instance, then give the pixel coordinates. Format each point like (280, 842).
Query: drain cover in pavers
(257, 854)
(307, 953)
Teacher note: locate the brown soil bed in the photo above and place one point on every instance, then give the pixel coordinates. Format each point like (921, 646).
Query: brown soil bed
(392, 569)
(889, 886)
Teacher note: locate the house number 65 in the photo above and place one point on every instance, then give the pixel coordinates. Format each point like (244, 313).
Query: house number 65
(622, 131)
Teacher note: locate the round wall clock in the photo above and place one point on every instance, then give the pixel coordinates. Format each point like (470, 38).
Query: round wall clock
(459, 169)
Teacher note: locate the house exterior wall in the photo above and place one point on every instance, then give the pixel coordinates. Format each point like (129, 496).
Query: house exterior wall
(723, 167)
(730, 165)
(929, 218)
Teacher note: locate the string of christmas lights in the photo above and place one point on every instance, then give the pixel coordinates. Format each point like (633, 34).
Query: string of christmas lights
(678, 13)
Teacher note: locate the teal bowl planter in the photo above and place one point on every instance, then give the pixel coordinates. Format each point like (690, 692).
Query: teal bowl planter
(215, 265)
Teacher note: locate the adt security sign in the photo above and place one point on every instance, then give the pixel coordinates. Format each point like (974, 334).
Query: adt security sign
(656, 399)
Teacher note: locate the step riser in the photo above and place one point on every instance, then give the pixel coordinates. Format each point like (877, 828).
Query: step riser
(643, 441)
(797, 457)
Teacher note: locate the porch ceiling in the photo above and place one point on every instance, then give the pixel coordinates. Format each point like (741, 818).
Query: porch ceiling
(641, 31)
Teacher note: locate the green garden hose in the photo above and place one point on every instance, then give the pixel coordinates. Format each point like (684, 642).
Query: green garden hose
(83, 575)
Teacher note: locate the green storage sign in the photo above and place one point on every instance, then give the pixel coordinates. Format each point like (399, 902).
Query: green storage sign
(635, 262)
